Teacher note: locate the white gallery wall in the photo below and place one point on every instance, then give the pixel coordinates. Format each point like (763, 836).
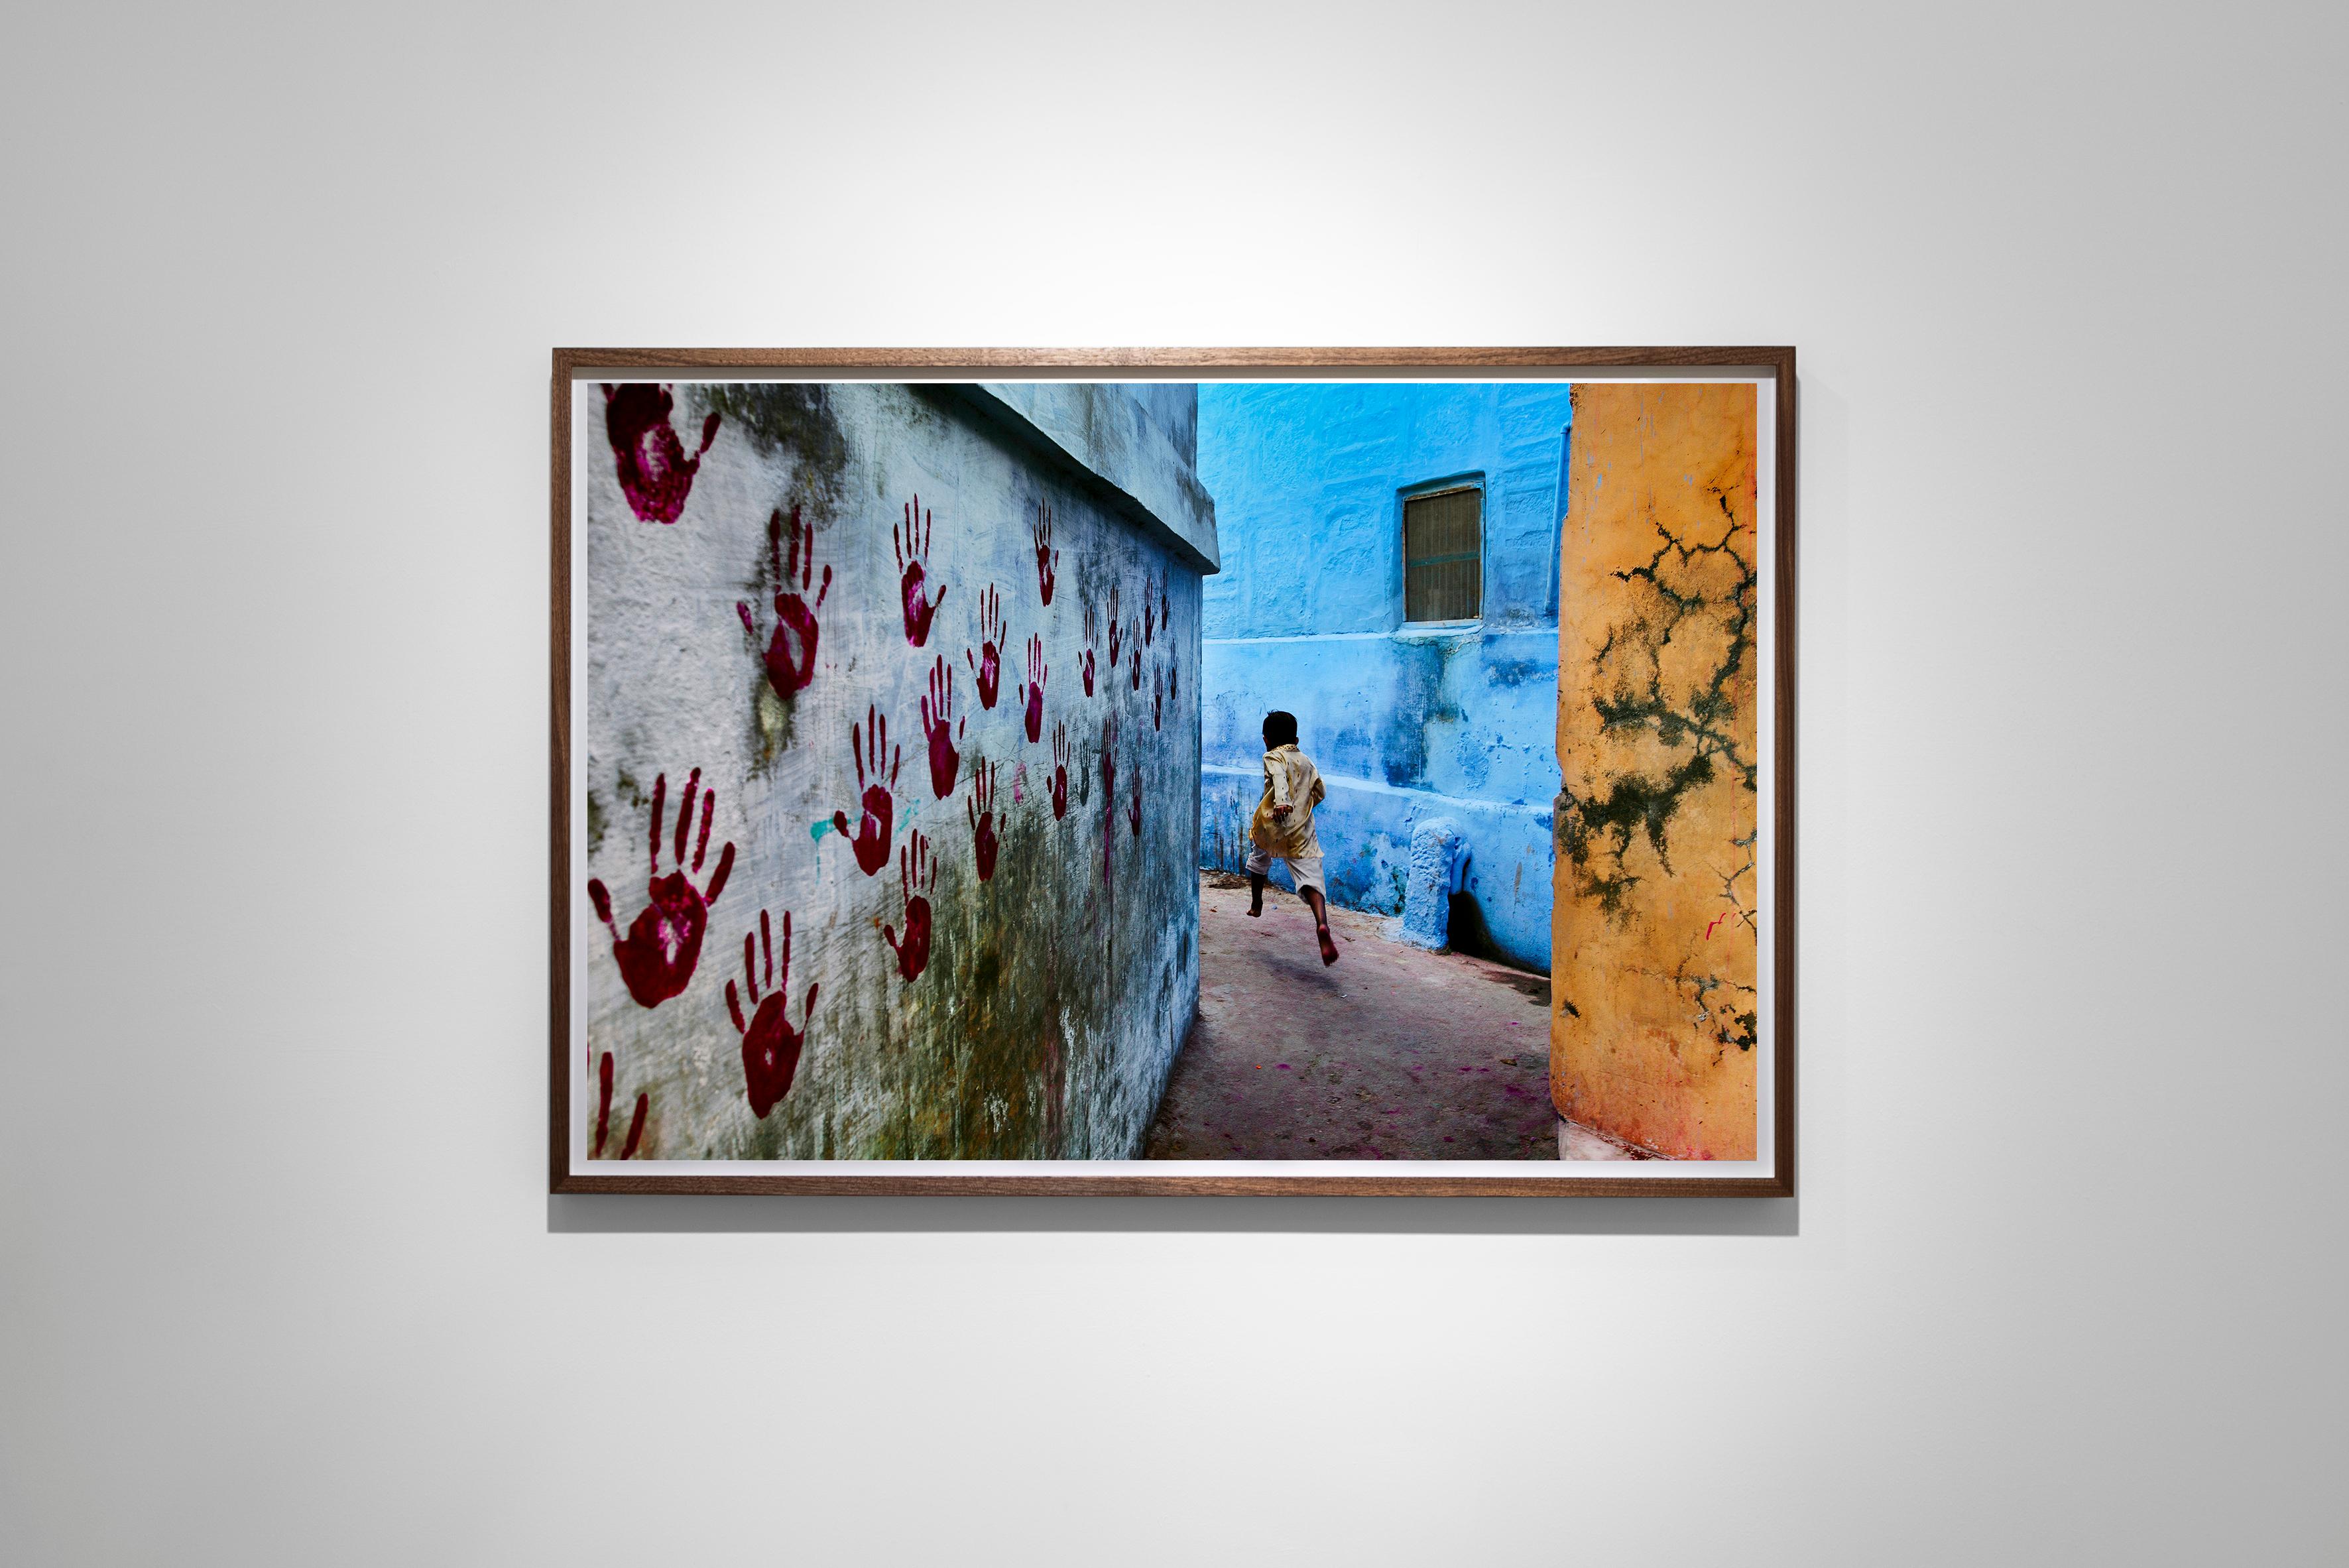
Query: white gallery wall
(279, 1280)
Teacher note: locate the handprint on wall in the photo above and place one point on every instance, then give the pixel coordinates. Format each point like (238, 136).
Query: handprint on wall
(1086, 665)
(1115, 629)
(986, 668)
(655, 473)
(771, 1046)
(664, 942)
(1133, 801)
(981, 808)
(794, 617)
(917, 871)
(1048, 559)
(1157, 699)
(1032, 698)
(1146, 609)
(1134, 661)
(912, 542)
(872, 841)
(604, 1113)
(939, 729)
(1059, 771)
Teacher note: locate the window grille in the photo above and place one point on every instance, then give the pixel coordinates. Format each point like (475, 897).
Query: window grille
(1443, 555)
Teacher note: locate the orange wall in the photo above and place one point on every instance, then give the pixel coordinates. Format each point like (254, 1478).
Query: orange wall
(1653, 1001)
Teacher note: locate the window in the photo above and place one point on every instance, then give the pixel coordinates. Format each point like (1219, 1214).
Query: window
(1443, 555)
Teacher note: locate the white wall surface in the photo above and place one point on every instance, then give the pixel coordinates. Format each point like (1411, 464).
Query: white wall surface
(279, 1283)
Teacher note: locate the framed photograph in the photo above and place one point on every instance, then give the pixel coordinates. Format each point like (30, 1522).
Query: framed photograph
(1174, 772)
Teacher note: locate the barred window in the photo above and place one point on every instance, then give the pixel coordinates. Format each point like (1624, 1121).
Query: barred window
(1443, 555)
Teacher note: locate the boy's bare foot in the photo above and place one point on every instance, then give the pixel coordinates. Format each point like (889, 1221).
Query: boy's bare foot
(1328, 948)
(1254, 911)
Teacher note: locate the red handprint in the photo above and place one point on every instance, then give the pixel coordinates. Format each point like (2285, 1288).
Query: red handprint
(1157, 700)
(604, 1113)
(1048, 559)
(987, 667)
(1136, 662)
(1116, 629)
(1059, 771)
(655, 473)
(1134, 803)
(1146, 608)
(1175, 683)
(1088, 664)
(872, 841)
(918, 870)
(794, 617)
(1033, 699)
(911, 544)
(1166, 610)
(981, 808)
(938, 726)
(664, 942)
(771, 1046)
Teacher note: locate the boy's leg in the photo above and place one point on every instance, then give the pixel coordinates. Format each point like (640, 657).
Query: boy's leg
(1258, 863)
(1308, 873)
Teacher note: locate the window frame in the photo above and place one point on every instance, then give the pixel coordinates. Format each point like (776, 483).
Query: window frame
(1451, 484)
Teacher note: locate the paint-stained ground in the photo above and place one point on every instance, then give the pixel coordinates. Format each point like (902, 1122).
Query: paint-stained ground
(1392, 1053)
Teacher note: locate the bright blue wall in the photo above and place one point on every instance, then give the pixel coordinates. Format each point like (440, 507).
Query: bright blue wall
(1405, 722)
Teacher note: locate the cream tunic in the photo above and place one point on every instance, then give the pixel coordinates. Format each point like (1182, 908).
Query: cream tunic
(1291, 779)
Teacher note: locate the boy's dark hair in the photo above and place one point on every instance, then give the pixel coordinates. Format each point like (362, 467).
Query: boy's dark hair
(1279, 729)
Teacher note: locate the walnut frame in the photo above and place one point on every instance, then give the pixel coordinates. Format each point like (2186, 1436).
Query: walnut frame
(1778, 362)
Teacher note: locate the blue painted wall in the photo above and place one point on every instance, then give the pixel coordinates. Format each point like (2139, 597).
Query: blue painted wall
(1405, 721)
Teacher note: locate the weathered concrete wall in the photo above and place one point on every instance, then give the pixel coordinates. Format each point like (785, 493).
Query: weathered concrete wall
(984, 858)
(1406, 722)
(1653, 998)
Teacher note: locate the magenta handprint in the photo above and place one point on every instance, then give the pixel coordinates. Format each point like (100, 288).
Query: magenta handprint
(939, 729)
(987, 667)
(1157, 699)
(917, 871)
(1087, 666)
(1032, 699)
(771, 1046)
(1133, 801)
(604, 1113)
(664, 942)
(655, 473)
(981, 808)
(1059, 771)
(872, 841)
(912, 542)
(794, 617)
(1048, 559)
(1116, 629)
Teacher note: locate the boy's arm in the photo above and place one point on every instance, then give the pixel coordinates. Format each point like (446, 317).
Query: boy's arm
(1276, 774)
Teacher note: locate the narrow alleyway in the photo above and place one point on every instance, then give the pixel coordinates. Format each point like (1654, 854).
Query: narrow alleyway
(1392, 1053)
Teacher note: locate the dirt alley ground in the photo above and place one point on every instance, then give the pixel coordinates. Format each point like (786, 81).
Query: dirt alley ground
(1391, 1053)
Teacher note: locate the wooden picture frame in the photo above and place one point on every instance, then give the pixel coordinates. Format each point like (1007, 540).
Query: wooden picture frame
(1771, 371)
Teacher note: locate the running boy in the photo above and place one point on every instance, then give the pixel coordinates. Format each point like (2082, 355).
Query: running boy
(1283, 825)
